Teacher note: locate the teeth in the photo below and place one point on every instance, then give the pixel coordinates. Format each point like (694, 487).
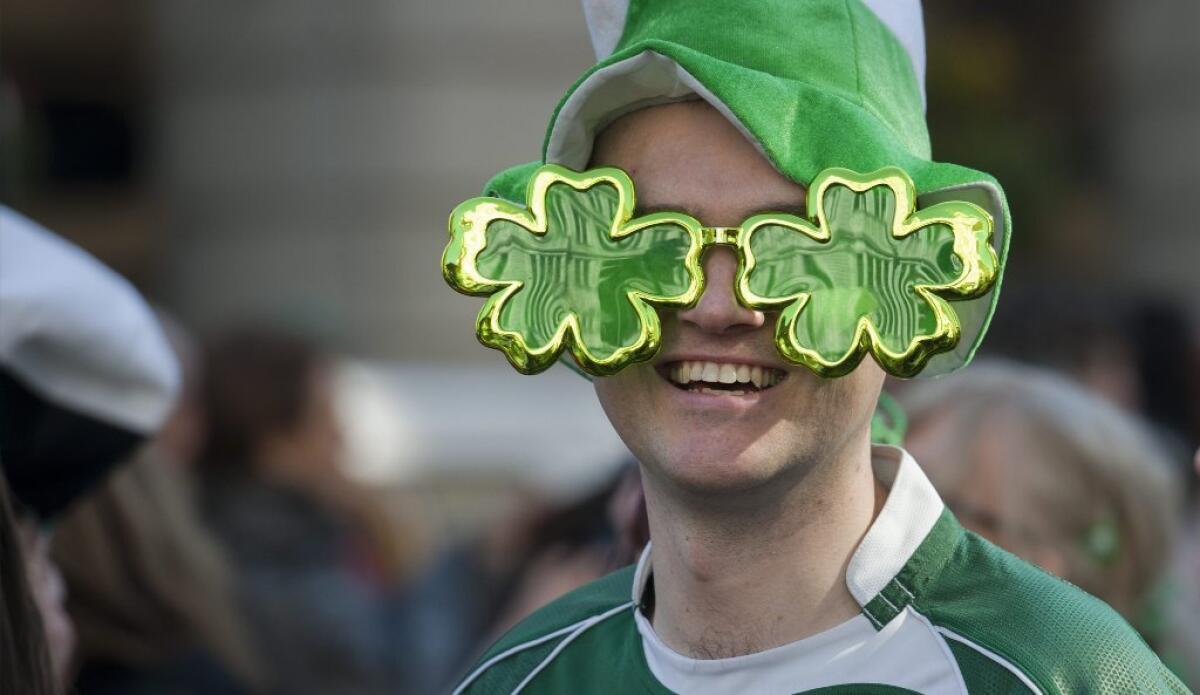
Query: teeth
(690, 371)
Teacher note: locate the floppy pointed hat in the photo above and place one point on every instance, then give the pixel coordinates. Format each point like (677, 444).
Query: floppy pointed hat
(813, 85)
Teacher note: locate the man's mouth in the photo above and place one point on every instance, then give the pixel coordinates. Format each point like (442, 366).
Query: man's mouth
(721, 378)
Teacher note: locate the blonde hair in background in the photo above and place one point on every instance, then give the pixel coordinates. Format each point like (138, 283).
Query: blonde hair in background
(1082, 478)
(146, 580)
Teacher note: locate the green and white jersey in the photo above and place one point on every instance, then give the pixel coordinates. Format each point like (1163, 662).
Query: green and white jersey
(942, 611)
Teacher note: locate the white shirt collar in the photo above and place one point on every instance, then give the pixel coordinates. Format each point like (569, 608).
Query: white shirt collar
(909, 513)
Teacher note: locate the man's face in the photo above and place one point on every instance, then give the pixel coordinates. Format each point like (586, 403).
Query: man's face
(708, 435)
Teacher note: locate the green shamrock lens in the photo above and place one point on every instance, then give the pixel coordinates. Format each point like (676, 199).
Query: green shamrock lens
(573, 271)
(866, 273)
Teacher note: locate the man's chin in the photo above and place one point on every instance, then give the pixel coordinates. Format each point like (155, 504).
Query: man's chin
(718, 470)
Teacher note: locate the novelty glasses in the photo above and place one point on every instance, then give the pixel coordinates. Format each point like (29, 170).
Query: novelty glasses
(863, 272)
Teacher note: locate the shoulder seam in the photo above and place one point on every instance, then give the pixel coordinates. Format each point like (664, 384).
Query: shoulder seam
(1008, 665)
(941, 640)
(578, 626)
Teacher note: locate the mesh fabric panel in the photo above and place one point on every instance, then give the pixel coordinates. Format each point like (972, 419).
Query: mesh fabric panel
(1064, 639)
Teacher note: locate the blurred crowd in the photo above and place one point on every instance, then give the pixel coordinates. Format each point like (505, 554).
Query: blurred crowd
(231, 553)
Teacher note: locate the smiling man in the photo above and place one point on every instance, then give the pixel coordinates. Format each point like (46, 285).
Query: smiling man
(714, 270)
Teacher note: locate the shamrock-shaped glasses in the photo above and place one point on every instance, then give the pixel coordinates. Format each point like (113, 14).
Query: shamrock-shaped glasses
(574, 270)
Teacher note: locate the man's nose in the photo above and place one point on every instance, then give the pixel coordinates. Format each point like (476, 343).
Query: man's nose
(718, 310)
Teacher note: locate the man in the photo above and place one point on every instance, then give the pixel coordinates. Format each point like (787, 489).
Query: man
(85, 377)
(787, 555)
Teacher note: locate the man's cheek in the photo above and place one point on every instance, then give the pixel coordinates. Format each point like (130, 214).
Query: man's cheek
(628, 388)
(619, 401)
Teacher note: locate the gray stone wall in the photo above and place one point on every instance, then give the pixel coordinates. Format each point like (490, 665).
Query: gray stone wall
(309, 153)
(1154, 63)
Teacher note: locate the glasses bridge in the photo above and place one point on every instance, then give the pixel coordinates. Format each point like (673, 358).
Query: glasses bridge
(724, 236)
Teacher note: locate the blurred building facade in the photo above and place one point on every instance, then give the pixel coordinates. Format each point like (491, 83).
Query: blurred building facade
(312, 151)
(297, 160)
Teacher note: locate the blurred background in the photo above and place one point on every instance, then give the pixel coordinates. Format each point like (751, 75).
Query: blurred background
(275, 177)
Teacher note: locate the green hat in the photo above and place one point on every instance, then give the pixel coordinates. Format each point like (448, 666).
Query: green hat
(813, 84)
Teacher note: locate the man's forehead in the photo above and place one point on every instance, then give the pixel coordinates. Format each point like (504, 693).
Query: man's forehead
(687, 157)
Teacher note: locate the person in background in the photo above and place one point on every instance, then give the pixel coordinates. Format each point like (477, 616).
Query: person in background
(24, 654)
(315, 561)
(477, 590)
(1180, 640)
(149, 589)
(571, 545)
(85, 377)
(1134, 351)
(1056, 475)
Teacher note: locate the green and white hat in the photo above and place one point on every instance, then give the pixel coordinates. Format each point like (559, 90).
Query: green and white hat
(813, 84)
